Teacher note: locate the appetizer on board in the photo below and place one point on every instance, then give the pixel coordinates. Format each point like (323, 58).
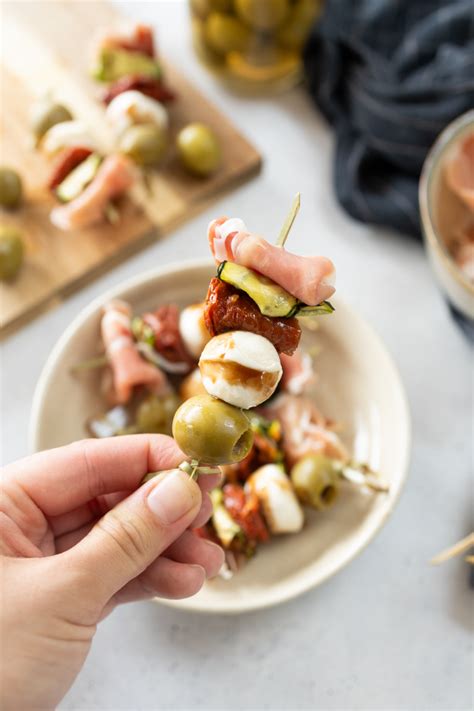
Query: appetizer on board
(85, 183)
(136, 99)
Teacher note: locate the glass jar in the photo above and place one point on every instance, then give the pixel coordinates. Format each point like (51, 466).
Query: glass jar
(253, 45)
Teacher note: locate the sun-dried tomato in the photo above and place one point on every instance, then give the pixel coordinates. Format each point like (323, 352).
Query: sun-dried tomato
(164, 323)
(149, 86)
(245, 510)
(228, 309)
(68, 159)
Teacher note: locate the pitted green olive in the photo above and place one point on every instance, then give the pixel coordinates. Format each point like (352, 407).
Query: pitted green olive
(11, 252)
(212, 431)
(262, 15)
(144, 143)
(155, 414)
(224, 33)
(10, 188)
(46, 115)
(316, 481)
(202, 8)
(295, 30)
(199, 149)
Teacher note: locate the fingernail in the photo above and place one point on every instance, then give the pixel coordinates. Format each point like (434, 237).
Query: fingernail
(173, 497)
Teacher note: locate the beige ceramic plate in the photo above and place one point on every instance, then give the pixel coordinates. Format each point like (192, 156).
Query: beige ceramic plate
(358, 386)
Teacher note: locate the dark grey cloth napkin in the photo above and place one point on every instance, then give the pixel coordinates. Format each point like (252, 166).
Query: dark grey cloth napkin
(389, 75)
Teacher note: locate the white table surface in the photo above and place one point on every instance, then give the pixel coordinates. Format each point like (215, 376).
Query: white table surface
(389, 632)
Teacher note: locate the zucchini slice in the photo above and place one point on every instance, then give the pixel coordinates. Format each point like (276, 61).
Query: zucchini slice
(271, 299)
(113, 64)
(225, 526)
(79, 178)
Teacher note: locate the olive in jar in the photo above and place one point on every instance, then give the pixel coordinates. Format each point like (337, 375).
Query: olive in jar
(224, 33)
(262, 15)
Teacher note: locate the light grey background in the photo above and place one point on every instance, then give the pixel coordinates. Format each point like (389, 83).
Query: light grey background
(389, 632)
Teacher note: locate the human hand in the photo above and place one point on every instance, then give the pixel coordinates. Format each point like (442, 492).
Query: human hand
(79, 535)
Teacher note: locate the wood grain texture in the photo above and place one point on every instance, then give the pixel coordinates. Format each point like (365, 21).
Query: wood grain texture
(46, 48)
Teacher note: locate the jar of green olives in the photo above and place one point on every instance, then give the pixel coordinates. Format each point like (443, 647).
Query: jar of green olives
(254, 45)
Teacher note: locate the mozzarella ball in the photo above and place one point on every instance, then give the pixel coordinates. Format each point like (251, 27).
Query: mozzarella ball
(66, 134)
(280, 506)
(132, 107)
(241, 368)
(193, 329)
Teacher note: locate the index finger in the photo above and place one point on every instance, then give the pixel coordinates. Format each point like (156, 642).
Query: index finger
(58, 480)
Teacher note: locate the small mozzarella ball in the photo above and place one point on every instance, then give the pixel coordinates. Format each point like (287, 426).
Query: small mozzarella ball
(131, 108)
(66, 134)
(280, 506)
(193, 329)
(241, 368)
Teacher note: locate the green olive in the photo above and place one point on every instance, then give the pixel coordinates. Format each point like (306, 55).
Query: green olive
(48, 114)
(11, 188)
(11, 252)
(155, 414)
(226, 34)
(316, 481)
(200, 8)
(298, 25)
(221, 5)
(262, 15)
(212, 431)
(198, 149)
(204, 51)
(144, 143)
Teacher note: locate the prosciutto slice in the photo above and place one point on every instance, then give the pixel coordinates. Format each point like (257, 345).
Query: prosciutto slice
(297, 372)
(129, 369)
(115, 175)
(139, 40)
(304, 429)
(460, 172)
(309, 279)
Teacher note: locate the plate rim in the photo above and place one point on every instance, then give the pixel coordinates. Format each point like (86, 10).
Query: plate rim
(193, 604)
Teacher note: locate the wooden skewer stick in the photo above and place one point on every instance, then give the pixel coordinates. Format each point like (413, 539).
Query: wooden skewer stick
(99, 361)
(290, 218)
(457, 549)
(363, 477)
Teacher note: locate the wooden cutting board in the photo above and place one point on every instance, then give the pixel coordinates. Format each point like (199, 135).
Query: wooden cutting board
(46, 47)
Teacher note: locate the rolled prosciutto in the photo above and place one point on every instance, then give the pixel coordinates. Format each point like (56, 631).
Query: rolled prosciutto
(309, 279)
(129, 369)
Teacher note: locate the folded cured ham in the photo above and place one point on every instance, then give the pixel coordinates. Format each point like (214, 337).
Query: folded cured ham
(115, 175)
(305, 430)
(309, 279)
(129, 369)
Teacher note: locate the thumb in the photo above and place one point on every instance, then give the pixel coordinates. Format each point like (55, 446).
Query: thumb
(130, 536)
